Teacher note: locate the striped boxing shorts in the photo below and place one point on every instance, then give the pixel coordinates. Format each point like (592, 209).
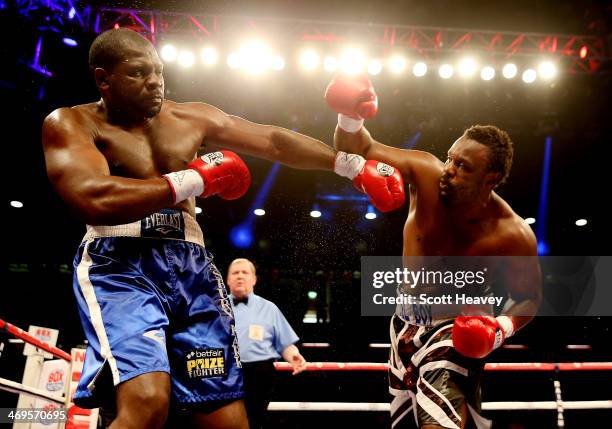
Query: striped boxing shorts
(430, 383)
(150, 299)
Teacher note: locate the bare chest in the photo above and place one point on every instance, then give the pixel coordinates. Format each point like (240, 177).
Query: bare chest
(150, 151)
(437, 234)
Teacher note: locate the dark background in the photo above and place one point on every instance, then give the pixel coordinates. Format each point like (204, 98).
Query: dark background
(295, 253)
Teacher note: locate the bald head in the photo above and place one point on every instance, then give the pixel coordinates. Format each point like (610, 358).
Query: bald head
(112, 46)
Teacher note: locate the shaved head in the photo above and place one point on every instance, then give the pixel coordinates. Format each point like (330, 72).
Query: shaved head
(110, 47)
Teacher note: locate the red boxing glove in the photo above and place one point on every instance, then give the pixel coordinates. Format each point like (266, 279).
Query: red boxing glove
(223, 173)
(382, 183)
(477, 336)
(352, 96)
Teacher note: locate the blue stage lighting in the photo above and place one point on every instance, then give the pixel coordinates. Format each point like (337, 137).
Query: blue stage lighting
(543, 248)
(543, 205)
(70, 42)
(371, 214)
(242, 236)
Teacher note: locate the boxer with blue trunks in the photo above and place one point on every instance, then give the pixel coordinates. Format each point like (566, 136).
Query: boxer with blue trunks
(156, 277)
(152, 303)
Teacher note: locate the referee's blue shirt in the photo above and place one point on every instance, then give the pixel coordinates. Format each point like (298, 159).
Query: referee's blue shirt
(263, 332)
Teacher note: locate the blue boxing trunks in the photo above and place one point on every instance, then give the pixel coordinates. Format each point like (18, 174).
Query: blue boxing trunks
(151, 299)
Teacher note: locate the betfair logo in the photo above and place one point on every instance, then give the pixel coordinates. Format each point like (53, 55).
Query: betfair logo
(206, 363)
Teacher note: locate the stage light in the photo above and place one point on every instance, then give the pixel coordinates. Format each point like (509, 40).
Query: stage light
(209, 56)
(375, 67)
(198, 210)
(309, 59)
(277, 62)
(316, 211)
(330, 64)
(352, 61)
(16, 204)
(371, 214)
(241, 236)
(509, 71)
(397, 64)
(530, 220)
(69, 42)
(255, 56)
(543, 248)
(446, 71)
(581, 222)
(467, 67)
(419, 69)
(487, 73)
(584, 51)
(186, 59)
(529, 76)
(312, 294)
(71, 13)
(259, 212)
(547, 70)
(234, 60)
(168, 53)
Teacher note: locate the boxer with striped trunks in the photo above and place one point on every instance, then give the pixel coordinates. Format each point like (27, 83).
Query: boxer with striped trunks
(454, 211)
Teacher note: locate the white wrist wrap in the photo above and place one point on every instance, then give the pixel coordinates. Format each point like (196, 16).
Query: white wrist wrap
(348, 124)
(507, 325)
(348, 164)
(185, 184)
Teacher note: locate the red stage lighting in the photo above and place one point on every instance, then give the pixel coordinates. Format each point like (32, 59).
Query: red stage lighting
(584, 52)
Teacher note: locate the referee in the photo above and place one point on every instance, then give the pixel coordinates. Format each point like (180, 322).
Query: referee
(264, 336)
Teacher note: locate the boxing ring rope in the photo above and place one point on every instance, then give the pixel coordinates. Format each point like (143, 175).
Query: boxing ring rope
(13, 386)
(488, 406)
(21, 334)
(521, 366)
(558, 405)
(20, 388)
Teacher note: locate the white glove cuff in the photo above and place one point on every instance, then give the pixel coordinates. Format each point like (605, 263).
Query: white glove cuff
(348, 164)
(348, 124)
(507, 325)
(185, 184)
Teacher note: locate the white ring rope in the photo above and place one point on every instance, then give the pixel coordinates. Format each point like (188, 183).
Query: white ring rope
(489, 406)
(13, 386)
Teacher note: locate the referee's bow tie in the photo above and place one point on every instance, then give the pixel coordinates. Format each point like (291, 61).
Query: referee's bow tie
(237, 301)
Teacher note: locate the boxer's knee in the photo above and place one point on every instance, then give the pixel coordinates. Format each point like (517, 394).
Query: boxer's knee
(143, 402)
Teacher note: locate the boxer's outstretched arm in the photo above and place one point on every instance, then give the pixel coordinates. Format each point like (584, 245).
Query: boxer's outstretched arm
(411, 163)
(265, 141)
(81, 175)
(522, 276)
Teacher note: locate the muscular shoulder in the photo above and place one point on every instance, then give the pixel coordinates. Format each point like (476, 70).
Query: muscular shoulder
(201, 113)
(69, 121)
(71, 115)
(421, 167)
(515, 236)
